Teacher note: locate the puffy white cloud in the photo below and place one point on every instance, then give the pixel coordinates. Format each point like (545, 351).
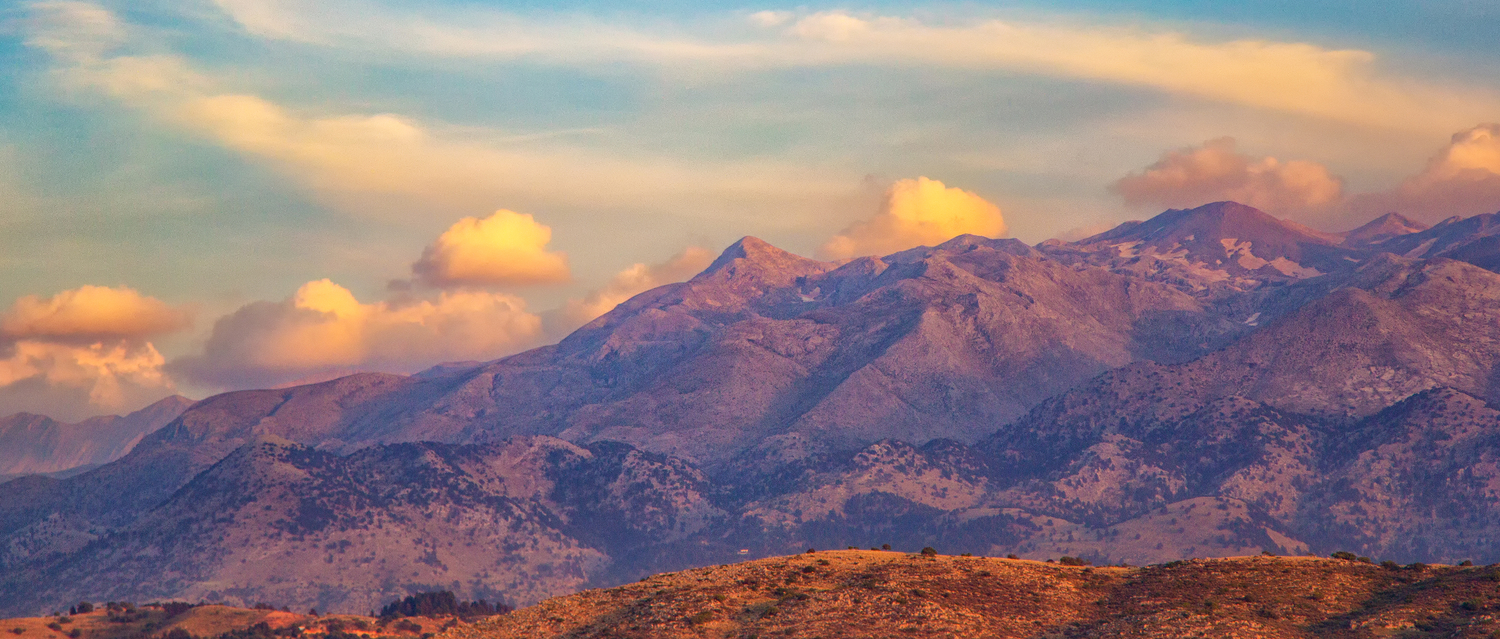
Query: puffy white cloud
(1217, 171)
(504, 248)
(1462, 178)
(638, 278)
(91, 313)
(916, 213)
(84, 352)
(323, 331)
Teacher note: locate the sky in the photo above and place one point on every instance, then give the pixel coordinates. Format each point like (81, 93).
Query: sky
(208, 195)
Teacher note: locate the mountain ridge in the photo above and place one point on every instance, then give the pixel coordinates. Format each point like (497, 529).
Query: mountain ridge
(1142, 403)
(37, 444)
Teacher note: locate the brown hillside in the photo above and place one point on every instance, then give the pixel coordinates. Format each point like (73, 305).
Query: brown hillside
(209, 621)
(889, 594)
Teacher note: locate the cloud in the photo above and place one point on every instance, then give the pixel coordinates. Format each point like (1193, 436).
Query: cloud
(1291, 77)
(1215, 171)
(504, 248)
(637, 279)
(74, 30)
(1296, 77)
(1462, 178)
(91, 313)
(323, 331)
(84, 352)
(387, 163)
(916, 213)
(69, 381)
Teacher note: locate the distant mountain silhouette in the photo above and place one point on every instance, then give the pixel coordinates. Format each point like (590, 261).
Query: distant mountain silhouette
(1383, 228)
(36, 444)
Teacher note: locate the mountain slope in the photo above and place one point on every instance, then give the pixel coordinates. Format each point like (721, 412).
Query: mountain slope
(275, 521)
(1381, 229)
(1475, 240)
(35, 444)
(1213, 250)
(981, 395)
(940, 342)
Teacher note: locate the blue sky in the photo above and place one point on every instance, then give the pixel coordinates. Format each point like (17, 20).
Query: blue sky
(217, 156)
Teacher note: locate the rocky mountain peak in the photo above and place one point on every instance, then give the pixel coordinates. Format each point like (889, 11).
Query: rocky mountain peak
(758, 258)
(1212, 224)
(1383, 228)
(1215, 249)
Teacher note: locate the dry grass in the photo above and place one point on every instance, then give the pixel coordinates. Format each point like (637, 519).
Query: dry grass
(888, 594)
(205, 621)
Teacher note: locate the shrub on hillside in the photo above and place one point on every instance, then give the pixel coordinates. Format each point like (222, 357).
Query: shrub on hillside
(176, 608)
(442, 602)
(176, 633)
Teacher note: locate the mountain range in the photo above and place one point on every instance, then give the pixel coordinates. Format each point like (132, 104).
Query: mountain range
(33, 444)
(1210, 382)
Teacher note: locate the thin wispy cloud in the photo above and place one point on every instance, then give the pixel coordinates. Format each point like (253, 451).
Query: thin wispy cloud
(357, 161)
(1346, 85)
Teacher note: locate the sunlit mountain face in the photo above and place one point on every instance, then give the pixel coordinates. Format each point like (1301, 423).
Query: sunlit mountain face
(1209, 382)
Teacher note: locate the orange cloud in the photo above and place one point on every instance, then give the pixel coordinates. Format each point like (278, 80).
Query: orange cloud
(91, 313)
(83, 352)
(504, 248)
(1215, 171)
(637, 279)
(916, 213)
(323, 331)
(68, 381)
(1462, 178)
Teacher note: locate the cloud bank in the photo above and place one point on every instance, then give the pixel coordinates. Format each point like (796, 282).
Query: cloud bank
(1184, 178)
(84, 352)
(916, 213)
(1462, 178)
(91, 313)
(322, 331)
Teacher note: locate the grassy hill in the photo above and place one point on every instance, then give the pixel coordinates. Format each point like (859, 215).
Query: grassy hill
(126, 621)
(890, 594)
